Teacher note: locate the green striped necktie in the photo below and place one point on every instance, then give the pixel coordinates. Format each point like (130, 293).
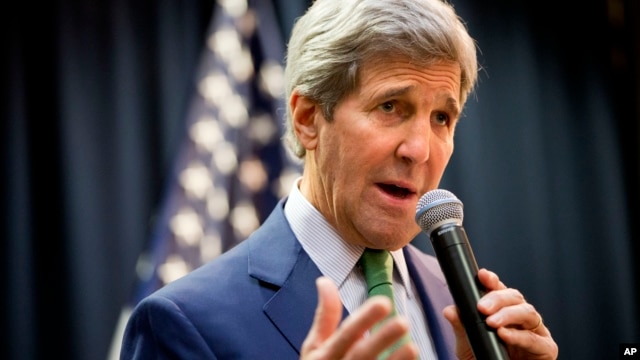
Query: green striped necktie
(378, 271)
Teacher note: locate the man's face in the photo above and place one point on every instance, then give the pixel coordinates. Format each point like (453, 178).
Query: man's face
(389, 143)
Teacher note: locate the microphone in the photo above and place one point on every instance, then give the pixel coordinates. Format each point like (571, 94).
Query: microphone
(439, 215)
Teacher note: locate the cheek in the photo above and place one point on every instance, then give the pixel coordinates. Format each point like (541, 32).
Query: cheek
(336, 156)
(442, 148)
(447, 151)
(440, 154)
(352, 148)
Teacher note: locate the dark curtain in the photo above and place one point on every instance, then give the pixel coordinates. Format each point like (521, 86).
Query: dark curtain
(94, 99)
(95, 94)
(546, 163)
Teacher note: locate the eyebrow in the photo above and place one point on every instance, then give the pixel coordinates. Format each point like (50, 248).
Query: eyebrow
(452, 105)
(395, 92)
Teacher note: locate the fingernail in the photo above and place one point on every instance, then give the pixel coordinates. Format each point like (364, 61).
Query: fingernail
(486, 303)
(494, 319)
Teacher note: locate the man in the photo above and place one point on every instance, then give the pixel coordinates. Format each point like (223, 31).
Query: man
(375, 89)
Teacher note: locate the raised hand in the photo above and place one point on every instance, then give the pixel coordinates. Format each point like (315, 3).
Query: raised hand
(330, 339)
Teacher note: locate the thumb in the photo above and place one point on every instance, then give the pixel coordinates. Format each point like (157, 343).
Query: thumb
(327, 316)
(451, 314)
(463, 348)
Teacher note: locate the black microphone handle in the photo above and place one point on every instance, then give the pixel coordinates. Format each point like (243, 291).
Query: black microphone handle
(459, 266)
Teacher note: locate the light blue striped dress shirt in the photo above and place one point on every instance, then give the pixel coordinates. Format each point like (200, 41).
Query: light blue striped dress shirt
(338, 260)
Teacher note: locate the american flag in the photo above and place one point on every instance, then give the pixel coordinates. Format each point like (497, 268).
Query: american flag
(232, 168)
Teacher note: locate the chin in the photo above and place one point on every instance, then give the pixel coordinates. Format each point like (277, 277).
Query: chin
(397, 241)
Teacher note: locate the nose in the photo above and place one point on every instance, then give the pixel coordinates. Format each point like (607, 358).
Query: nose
(415, 145)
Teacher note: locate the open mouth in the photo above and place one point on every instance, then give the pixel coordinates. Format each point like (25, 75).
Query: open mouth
(395, 191)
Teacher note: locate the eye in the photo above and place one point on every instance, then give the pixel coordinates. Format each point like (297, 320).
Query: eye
(441, 119)
(388, 107)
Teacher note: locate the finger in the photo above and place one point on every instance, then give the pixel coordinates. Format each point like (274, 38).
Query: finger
(521, 316)
(539, 324)
(388, 334)
(407, 351)
(527, 344)
(463, 348)
(327, 316)
(490, 280)
(329, 311)
(451, 314)
(495, 300)
(356, 325)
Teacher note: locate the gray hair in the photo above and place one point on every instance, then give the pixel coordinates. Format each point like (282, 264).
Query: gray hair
(335, 38)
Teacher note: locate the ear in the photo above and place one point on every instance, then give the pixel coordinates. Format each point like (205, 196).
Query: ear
(305, 114)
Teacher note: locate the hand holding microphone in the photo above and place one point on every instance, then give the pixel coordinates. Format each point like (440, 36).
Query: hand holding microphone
(439, 214)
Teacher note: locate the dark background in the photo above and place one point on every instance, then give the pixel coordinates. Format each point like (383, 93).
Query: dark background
(94, 98)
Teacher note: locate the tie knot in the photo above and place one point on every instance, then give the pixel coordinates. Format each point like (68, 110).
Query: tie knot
(377, 266)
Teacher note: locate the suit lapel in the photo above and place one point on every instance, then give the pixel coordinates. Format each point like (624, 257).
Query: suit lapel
(292, 308)
(435, 296)
(279, 260)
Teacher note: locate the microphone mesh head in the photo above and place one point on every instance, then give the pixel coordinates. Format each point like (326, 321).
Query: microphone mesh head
(438, 206)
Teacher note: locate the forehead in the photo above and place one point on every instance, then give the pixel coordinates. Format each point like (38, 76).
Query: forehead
(392, 72)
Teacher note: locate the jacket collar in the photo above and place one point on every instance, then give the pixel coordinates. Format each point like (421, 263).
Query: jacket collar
(280, 263)
(435, 296)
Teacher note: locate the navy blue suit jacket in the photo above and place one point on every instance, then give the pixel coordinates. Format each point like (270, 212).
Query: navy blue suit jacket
(257, 301)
